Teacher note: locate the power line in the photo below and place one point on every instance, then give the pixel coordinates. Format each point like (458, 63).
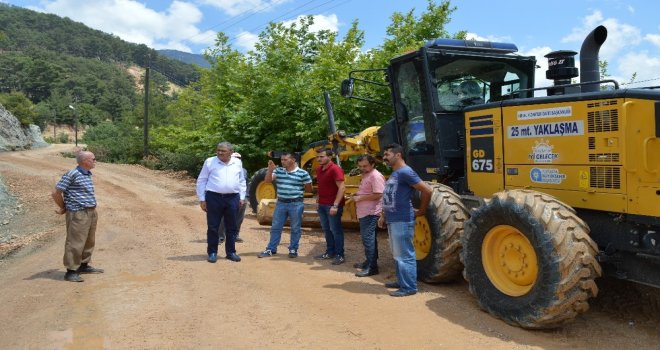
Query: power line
(283, 15)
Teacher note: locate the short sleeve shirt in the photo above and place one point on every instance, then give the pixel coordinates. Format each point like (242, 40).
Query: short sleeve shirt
(78, 189)
(291, 185)
(371, 182)
(397, 196)
(327, 183)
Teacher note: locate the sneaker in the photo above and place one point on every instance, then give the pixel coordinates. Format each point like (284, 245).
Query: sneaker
(338, 260)
(293, 253)
(361, 265)
(213, 257)
(266, 253)
(324, 256)
(84, 268)
(72, 276)
(400, 293)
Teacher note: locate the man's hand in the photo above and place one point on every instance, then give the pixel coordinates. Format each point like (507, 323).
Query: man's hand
(381, 222)
(333, 210)
(271, 166)
(243, 202)
(202, 205)
(419, 213)
(60, 211)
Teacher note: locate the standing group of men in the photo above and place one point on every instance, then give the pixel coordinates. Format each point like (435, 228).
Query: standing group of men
(377, 202)
(222, 191)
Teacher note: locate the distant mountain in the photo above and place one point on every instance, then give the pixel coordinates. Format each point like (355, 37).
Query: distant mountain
(186, 57)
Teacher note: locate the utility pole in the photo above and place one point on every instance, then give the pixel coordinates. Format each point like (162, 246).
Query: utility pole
(146, 109)
(75, 123)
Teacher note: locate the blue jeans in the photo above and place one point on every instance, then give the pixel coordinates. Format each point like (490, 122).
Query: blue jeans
(294, 211)
(403, 251)
(369, 239)
(334, 234)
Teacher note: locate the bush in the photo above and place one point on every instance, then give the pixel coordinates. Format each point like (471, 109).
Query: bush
(115, 143)
(181, 160)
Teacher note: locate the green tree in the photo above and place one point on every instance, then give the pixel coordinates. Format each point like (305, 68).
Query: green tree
(20, 106)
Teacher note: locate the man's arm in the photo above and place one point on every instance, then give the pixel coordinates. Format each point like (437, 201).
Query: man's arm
(425, 191)
(308, 187)
(269, 172)
(341, 188)
(59, 200)
(201, 186)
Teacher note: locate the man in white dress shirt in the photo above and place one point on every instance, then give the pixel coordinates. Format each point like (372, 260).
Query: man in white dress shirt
(221, 188)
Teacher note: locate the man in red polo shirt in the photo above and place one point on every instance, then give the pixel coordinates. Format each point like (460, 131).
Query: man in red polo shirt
(330, 181)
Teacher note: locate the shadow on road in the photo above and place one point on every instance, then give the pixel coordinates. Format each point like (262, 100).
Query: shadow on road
(52, 274)
(196, 257)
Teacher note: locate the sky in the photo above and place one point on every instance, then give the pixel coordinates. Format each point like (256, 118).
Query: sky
(536, 27)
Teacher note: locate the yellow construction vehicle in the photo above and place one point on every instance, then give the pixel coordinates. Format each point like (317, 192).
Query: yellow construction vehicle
(534, 197)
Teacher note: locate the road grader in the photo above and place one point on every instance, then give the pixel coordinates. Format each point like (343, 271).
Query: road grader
(534, 197)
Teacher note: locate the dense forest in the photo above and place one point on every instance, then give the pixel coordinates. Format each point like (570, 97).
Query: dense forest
(268, 98)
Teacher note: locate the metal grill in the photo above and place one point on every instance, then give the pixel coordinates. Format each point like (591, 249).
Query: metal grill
(603, 121)
(603, 157)
(605, 177)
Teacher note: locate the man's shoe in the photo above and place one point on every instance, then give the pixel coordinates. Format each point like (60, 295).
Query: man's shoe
(293, 253)
(239, 240)
(266, 253)
(338, 260)
(72, 276)
(234, 257)
(367, 272)
(361, 266)
(324, 256)
(400, 293)
(392, 285)
(84, 268)
(213, 257)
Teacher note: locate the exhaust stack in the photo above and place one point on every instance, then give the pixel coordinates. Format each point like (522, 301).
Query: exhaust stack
(589, 69)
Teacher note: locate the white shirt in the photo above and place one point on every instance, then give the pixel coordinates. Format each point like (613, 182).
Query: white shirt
(220, 177)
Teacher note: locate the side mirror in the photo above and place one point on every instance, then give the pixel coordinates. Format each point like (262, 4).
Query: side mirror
(347, 87)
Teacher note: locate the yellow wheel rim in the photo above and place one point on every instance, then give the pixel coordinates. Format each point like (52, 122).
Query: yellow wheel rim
(265, 190)
(422, 238)
(509, 260)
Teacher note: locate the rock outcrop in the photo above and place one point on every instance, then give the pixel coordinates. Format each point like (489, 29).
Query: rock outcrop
(15, 137)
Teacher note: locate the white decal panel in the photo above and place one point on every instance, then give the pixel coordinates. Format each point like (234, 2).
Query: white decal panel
(557, 129)
(546, 113)
(546, 176)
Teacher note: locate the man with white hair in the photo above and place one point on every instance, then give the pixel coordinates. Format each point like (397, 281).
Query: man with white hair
(221, 190)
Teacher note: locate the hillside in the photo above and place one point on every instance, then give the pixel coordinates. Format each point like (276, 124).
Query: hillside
(24, 30)
(186, 57)
(56, 63)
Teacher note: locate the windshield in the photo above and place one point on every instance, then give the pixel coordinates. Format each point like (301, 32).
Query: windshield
(464, 81)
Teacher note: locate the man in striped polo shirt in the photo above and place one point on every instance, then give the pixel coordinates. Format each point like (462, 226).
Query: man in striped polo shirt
(291, 183)
(74, 196)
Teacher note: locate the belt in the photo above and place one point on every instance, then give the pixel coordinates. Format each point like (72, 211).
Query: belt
(223, 194)
(290, 200)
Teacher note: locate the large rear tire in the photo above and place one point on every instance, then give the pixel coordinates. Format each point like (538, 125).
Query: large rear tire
(529, 259)
(438, 237)
(260, 189)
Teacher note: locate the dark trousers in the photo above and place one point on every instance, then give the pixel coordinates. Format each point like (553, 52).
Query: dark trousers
(221, 207)
(370, 239)
(239, 221)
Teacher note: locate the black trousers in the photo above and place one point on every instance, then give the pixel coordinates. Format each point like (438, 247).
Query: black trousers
(221, 207)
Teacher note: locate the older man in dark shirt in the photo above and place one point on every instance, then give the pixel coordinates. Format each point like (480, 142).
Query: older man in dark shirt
(74, 195)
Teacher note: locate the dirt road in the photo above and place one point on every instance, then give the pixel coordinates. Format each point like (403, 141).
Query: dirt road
(158, 291)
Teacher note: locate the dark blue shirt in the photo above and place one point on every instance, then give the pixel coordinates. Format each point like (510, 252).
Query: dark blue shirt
(78, 189)
(397, 196)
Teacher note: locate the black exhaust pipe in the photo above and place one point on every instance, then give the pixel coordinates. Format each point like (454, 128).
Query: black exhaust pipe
(589, 69)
